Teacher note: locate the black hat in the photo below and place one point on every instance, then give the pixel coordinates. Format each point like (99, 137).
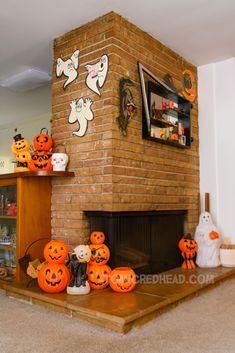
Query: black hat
(18, 137)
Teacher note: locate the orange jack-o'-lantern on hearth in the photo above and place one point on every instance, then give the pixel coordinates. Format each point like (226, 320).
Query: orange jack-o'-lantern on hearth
(99, 254)
(122, 279)
(53, 278)
(98, 276)
(55, 251)
(97, 237)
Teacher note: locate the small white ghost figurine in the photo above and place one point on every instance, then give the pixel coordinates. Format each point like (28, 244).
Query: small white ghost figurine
(209, 241)
(59, 161)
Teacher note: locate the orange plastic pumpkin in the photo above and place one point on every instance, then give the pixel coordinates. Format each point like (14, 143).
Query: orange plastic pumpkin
(53, 278)
(43, 141)
(98, 276)
(214, 235)
(56, 251)
(122, 279)
(189, 91)
(97, 237)
(99, 254)
(189, 247)
(40, 160)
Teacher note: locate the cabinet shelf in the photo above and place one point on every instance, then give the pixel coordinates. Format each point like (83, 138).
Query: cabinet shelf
(8, 217)
(167, 116)
(7, 247)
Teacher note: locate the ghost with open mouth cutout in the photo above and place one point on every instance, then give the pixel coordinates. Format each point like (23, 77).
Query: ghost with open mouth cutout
(82, 113)
(68, 68)
(97, 74)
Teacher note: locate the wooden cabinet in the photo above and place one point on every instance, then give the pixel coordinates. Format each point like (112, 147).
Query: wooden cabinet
(31, 191)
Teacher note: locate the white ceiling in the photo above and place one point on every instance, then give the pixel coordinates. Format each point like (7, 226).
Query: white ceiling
(202, 31)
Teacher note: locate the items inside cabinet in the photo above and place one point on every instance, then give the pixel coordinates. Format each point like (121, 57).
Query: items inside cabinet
(166, 113)
(7, 232)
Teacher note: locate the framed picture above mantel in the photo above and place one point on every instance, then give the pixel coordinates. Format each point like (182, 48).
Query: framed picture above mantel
(166, 113)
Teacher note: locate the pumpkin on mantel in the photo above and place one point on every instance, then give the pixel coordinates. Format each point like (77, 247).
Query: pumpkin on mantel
(43, 141)
(40, 160)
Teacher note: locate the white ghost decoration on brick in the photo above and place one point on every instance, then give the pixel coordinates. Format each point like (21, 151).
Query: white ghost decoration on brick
(81, 112)
(68, 68)
(97, 74)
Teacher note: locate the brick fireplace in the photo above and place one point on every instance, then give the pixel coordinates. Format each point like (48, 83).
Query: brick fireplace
(116, 173)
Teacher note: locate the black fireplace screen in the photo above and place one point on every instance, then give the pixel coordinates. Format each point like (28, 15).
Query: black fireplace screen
(146, 241)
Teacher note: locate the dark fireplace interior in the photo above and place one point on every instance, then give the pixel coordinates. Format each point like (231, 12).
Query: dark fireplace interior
(146, 241)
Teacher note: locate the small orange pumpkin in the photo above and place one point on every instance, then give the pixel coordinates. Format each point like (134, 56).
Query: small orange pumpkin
(122, 279)
(188, 245)
(53, 278)
(56, 251)
(214, 235)
(43, 141)
(99, 254)
(98, 276)
(40, 160)
(97, 237)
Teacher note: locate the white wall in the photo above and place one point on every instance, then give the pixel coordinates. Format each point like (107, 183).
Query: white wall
(216, 86)
(28, 129)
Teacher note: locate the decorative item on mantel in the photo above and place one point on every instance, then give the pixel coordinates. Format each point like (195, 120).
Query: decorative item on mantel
(20, 147)
(189, 247)
(41, 157)
(79, 284)
(59, 160)
(209, 242)
(127, 105)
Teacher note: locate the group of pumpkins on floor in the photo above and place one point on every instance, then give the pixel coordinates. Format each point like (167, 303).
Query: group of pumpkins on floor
(88, 268)
(42, 159)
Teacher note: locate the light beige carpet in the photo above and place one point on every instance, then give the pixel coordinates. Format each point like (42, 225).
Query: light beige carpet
(205, 324)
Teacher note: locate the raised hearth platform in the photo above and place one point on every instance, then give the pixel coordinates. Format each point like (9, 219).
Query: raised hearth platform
(121, 312)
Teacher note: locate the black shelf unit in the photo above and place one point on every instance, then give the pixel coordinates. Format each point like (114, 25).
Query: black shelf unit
(168, 118)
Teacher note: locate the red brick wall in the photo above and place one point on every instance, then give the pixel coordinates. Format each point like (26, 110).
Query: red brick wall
(113, 172)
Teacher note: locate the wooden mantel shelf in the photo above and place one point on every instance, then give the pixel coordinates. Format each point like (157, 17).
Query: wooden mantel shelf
(37, 174)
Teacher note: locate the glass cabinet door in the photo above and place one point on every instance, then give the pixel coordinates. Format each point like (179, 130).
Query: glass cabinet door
(7, 232)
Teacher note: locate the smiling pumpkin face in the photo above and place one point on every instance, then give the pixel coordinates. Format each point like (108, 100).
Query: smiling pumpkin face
(20, 144)
(42, 142)
(53, 278)
(122, 279)
(98, 276)
(188, 245)
(99, 254)
(56, 251)
(41, 160)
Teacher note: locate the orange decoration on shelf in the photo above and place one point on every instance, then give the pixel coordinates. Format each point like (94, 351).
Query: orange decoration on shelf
(99, 254)
(41, 160)
(53, 278)
(97, 237)
(122, 279)
(43, 141)
(55, 251)
(189, 247)
(98, 276)
(190, 90)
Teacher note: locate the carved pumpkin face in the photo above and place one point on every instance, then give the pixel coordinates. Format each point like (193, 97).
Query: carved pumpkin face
(188, 245)
(56, 251)
(41, 160)
(97, 237)
(189, 91)
(42, 142)
(20, 145)
(122, 279)
(53, 278)
(98, 276)
(99, 254)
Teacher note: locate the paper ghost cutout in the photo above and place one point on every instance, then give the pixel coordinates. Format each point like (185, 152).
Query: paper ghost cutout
(68, 68)
(97, 74)
(81, 112)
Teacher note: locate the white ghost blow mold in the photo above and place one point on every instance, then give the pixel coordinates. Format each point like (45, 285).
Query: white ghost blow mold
(209, 241)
